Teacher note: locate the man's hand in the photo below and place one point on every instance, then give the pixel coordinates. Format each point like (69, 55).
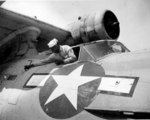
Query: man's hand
(27, 67)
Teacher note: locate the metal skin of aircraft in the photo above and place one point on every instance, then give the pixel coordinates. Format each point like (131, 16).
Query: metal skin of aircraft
(107, 81)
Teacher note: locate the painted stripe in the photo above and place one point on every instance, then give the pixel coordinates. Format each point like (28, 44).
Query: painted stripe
(37, 80)
(113, 84)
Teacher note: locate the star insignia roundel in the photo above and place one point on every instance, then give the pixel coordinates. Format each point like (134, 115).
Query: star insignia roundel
(70, 89)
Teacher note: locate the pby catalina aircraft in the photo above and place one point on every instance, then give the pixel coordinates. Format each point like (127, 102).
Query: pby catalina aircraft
(106, 82)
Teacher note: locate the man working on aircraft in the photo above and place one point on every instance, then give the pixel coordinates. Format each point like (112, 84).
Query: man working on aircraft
(60, 55)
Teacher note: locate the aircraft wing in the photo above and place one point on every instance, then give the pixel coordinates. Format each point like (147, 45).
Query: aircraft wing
(19, 32)
(13, 24)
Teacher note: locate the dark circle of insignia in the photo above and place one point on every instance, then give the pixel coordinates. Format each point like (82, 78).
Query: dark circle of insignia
(61, 107)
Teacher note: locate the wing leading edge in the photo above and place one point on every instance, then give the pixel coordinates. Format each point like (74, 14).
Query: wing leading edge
(12, 22)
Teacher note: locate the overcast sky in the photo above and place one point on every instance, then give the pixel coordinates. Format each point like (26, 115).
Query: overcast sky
(133, 15)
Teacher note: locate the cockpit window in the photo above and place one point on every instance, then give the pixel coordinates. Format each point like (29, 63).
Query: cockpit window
(97, 50)
(100, 49)
(82, 54)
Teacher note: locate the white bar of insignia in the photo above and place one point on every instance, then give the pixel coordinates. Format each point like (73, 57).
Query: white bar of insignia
(114, 84)
(37, 80)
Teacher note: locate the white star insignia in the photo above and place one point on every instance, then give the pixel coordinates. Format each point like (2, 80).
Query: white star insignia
(68, 85)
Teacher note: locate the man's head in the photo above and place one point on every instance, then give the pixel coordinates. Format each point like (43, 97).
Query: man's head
(54, 46)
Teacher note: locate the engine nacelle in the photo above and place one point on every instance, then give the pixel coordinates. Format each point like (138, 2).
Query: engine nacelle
(101, 25)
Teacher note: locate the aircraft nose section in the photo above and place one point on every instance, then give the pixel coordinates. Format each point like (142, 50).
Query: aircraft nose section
(70, 89)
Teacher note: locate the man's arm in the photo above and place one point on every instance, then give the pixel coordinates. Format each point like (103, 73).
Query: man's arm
(47, 60)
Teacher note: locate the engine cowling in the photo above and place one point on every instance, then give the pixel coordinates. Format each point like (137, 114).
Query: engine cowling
(100, 25)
